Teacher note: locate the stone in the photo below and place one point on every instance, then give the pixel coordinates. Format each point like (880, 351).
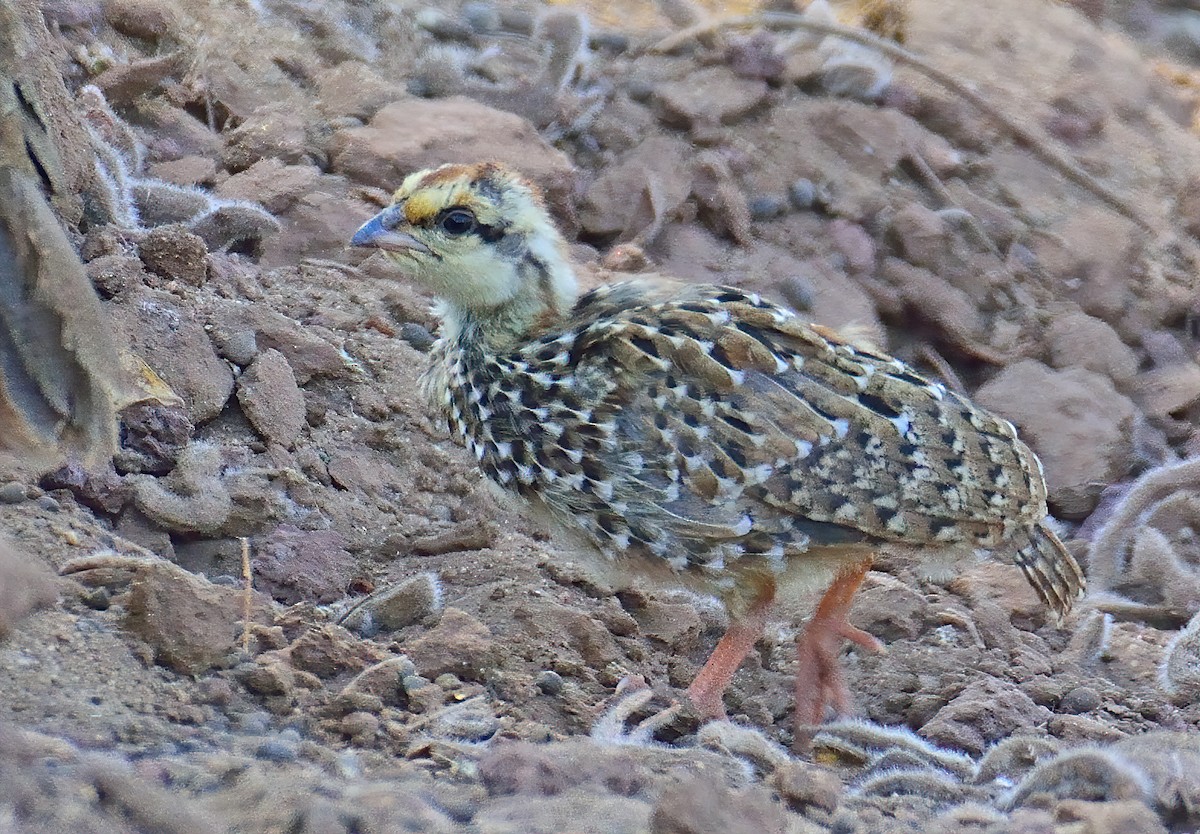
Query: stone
(273, 184)
(170, 340)
(981, 714)
(412, 134)
(271, 399)
(25, 585)
(190, 624)
(1077, 340)
(459, 644)
(175, 253)
(704, 803)
(710, 96)
(295, 565)
(1078, 424)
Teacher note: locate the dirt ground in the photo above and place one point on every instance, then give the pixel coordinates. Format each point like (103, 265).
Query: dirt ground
(418, 658)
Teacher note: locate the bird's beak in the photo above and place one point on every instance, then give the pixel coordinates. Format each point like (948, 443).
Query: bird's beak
(380, 232)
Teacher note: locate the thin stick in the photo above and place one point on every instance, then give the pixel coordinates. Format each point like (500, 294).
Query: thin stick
(247, 595)
(1038, 144)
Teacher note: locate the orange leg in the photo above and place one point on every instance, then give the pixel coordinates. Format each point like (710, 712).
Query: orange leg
(708, 689)
(819, 681)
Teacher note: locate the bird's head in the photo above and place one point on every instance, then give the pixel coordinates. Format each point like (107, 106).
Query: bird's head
(480, 238)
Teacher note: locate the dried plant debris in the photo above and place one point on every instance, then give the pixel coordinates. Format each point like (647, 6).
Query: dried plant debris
(1160, 768)
(1179, 671)
(132, 200)
(1144, 562)
(848, 69)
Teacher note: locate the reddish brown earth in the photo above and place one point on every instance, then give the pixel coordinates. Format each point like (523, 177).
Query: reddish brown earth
(477, 689)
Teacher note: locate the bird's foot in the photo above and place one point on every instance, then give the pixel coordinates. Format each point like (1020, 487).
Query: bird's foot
(633, 694)
(820, 683)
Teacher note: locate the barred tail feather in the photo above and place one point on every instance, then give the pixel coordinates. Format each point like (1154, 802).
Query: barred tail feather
(1051, 570)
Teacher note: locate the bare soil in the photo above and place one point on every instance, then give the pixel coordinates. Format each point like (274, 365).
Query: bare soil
(417, 657)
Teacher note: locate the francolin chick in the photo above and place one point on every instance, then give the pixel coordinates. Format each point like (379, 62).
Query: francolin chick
(699, 435)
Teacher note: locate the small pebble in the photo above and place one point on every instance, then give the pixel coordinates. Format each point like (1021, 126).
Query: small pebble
(48, 504)
(798, 292)
(480, 16)
(551, 683)
(802, 194)
(253, 723)
(767, 207)
(417, 335)
(411, 682)
(97, 600)
(1080, 699)
(448, 681)
(12, 493)
(639, 89)
(442, 26)
(277, 750)
(615, 42)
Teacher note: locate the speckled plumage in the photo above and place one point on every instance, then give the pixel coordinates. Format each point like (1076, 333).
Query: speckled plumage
(715, 431)
(702, 435)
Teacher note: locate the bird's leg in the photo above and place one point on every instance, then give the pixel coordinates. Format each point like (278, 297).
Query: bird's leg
(819, 681)
(708, 689)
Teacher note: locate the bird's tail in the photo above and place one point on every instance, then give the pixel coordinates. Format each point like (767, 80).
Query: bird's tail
(1051, 570)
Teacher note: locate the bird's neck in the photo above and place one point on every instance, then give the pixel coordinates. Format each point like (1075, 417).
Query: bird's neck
(546, 292)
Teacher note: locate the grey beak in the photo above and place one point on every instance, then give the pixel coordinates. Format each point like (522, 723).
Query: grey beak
(380, 232)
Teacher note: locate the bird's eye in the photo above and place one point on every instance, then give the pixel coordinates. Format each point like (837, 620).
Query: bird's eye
(457, 222)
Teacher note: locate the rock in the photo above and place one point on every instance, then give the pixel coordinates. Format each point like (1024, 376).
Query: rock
(271, 183)
(176, 254)
(25, 585)
(234, 326)
(576, 811)
(1075, 420)
(1077, 340)
(676, 624)
(152, 438)
(396, 606)
(409, 135)
(112, 275)
(983, 713)
(920, 236)
(1095, 251)
(190, 624)
(100, 490)
(186, 171)
(704, 804)
(268, 676)
(566, 627)
(1080, 699)
(147, 19)
(353, 89)
(891, 612)
(655, 177)
(173, 343)
(270, 398)
(710, 96)
(271, 132)
(853, 242)
(1166, 390)
(459, 644)
(295, 565)
(329, 650)
(803, 785)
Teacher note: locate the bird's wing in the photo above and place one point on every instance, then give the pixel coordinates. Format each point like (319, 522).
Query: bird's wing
(727, 416)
